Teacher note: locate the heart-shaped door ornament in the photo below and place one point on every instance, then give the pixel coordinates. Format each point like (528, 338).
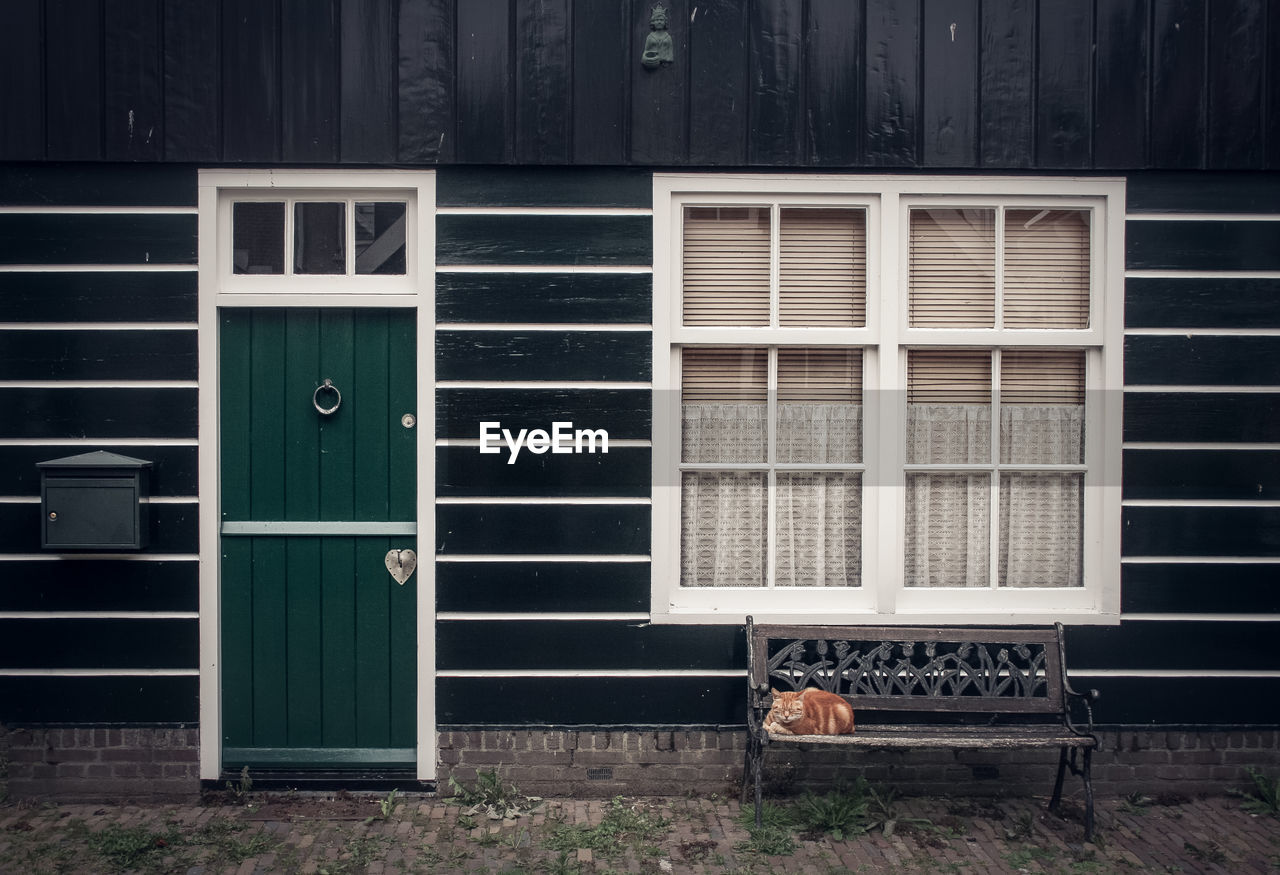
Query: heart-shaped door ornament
(401, 564)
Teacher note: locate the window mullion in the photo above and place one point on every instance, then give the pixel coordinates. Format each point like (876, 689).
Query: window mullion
(993, 504)
(771, 478)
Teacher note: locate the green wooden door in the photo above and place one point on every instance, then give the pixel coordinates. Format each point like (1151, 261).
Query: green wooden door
(319, 642)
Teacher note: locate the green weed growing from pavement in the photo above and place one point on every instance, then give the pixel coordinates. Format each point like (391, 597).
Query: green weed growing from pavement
(1264, 796)
(623, 826)
(492, 797)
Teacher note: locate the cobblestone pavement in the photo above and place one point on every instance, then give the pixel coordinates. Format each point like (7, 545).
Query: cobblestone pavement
(267, 833)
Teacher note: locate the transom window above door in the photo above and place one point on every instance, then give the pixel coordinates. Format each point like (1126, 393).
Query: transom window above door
(889, 397)
(299, 233)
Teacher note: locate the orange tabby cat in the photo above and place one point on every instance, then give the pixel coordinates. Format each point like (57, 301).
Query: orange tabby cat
(809, 712)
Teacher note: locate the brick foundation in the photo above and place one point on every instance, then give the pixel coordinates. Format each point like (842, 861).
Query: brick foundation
(89, 764)
(594, 764)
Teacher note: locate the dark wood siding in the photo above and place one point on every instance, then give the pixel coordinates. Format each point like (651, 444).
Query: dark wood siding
(1053, 84)
(98, 351)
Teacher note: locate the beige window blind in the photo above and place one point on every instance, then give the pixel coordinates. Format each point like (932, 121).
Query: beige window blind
(1046, 269)
(951, 268)
(819, 376)
(1042, 377)
(948, 376)
(724, 376)
(822, 268)
(726, 266)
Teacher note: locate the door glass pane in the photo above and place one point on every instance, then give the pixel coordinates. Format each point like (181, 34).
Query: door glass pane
(319, 238)
(257, 234)
(380, 238)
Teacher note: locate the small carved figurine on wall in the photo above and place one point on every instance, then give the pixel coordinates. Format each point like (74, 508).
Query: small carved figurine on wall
(657, 45)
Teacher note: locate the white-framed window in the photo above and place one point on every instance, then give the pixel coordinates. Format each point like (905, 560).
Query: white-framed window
(887, 397)
(314, 233)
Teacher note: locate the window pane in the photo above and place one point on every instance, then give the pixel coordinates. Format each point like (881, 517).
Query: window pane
(948, 407)
(948, 532)
(380, 238)
(319, 238)
(1040, 530)
(819, 529)
(952, 268)
(823, 268)
(819, 405)
(1046, 269)
(726, 266)
(724, 405)
(1042, 407)
(257, 237)
(722, 529)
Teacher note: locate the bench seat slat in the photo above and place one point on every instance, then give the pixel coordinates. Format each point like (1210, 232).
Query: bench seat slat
(890, 737)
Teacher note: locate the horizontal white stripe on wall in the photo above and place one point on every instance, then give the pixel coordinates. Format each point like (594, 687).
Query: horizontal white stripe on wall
(544, 268)
(100, 211)
(1171, 673)
(1201, 217)
(633, 327)
(1191, 333)
(99, 384)
(543, 557)
(589, 673)
(98, 326)
(1199, 445)
(1199, 560)
(493, 616)
(544, 211)
(99, 615)
(98, 672)
(1146, 388)
(541, 500)
(1165, 274)
(86, 557)
(141, 267)
(1199, 502)
(539, 384)
(1201, 618)
(78, 442)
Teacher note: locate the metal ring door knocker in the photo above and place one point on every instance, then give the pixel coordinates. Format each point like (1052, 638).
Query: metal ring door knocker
(327, 385)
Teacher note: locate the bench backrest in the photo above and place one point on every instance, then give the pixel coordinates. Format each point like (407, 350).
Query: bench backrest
(899, 668)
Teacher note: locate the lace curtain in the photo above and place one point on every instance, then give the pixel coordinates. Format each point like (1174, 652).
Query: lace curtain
(724, 514)
(948, 515)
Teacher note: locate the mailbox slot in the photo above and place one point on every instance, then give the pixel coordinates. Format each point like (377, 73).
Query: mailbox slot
(95, 501)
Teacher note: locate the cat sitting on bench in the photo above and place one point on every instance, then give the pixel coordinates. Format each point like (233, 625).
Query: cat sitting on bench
(809, 712)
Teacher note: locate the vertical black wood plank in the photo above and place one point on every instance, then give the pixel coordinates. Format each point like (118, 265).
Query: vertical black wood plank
(134, 95)
(1064, 96)
(1007, 84)
(659, 97)
(892, 82)
(1272, 91)
(542, 81)
(309, 80)
(949, 111)
(1120, 111)
(601, 72)
(368, 81)
(426, 119)
(1177, 84)
(485, 127)
(251, 80)
(22, 66)
(73, 80)
(1237, 62)
(834, 39)
(191, 77)
(776, 108)
(718, 119)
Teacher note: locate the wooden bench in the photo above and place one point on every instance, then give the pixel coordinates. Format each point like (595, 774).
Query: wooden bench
(914, 688)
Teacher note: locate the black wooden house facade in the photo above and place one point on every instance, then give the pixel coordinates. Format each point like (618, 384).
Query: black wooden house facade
(509, 184)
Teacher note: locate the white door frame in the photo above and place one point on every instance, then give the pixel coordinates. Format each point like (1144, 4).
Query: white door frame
(218, 288)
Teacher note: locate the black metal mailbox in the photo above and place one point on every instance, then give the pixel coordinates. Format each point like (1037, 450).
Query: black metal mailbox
(94, 501)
